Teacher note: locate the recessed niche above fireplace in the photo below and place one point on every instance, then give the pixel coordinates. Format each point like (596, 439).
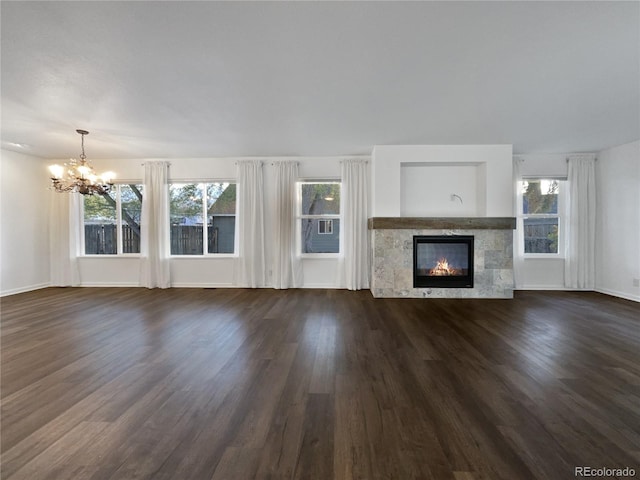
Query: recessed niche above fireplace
(443, 261)
(441, 189)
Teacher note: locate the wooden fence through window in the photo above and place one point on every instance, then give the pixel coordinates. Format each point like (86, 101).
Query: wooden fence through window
(101, 239)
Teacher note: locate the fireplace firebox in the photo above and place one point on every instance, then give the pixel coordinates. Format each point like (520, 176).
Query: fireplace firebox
(443, 261)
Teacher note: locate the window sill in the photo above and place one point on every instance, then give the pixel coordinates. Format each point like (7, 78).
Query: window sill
(543, 256)
(110, 255)
(204, 257)
(320, 256)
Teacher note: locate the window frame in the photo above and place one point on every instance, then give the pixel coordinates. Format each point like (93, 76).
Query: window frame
(119, 241)
(300, 216)
(561, 216)
(205, 251)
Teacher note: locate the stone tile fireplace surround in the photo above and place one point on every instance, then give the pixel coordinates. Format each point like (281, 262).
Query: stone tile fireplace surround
(392, 255)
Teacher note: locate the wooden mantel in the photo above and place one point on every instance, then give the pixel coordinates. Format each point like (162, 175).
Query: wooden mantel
(438, 223)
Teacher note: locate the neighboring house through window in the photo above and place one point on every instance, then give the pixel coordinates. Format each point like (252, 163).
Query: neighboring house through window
(190, 205)
(542, 215)
(319, 217)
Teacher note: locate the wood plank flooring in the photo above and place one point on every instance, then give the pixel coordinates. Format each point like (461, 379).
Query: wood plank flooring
(204, 384)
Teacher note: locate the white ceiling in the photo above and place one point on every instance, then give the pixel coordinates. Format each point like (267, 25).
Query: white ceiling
(205, 79)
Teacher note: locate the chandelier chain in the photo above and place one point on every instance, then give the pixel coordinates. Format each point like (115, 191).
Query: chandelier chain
(82, 155)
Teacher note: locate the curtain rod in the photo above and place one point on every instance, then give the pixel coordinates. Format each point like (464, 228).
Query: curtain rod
(292, 162)
(544, 177)
(595, 159)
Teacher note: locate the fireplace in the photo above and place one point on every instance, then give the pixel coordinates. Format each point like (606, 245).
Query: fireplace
(393, 261)
(443, 261)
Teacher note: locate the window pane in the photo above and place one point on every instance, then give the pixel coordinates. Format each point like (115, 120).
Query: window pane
(100, 231)
(540, 196)
(541, 235)
(315, 242)
(221, 234)
(221, 217)
(186, 218)
(131, 203)
(320, 198)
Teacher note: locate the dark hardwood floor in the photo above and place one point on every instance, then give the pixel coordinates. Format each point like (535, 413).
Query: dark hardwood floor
(102, 383)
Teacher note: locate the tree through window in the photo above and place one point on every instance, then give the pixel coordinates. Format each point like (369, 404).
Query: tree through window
(112, 221)
(541, 215)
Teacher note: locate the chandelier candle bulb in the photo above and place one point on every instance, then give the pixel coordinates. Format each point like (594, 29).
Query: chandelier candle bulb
(57, 171)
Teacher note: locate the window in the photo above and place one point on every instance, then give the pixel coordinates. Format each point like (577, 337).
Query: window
(541, 215)
(319, 217)
(325, 227)
(112, 221)
(190, 205)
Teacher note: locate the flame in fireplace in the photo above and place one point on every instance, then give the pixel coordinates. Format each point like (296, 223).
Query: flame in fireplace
(443, 268)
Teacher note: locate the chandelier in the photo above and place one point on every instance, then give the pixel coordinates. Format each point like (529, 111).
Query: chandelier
(79, 176)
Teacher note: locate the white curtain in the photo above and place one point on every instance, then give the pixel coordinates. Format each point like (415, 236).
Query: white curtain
(154, 228)
(581, 223)
(354, 261)
(250, 267)
(518, 234)
(65, 210)
(287, 268)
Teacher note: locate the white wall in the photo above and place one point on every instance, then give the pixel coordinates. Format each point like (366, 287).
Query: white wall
(490, 164)
(618, 221)
(24, 218)
(210, 271)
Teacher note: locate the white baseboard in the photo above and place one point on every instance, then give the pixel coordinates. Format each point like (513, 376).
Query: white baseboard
(231, 285)
(613, 293)
(181, 285)
(173, 285)
(541, 287)
(30, 288)
(203, 285)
